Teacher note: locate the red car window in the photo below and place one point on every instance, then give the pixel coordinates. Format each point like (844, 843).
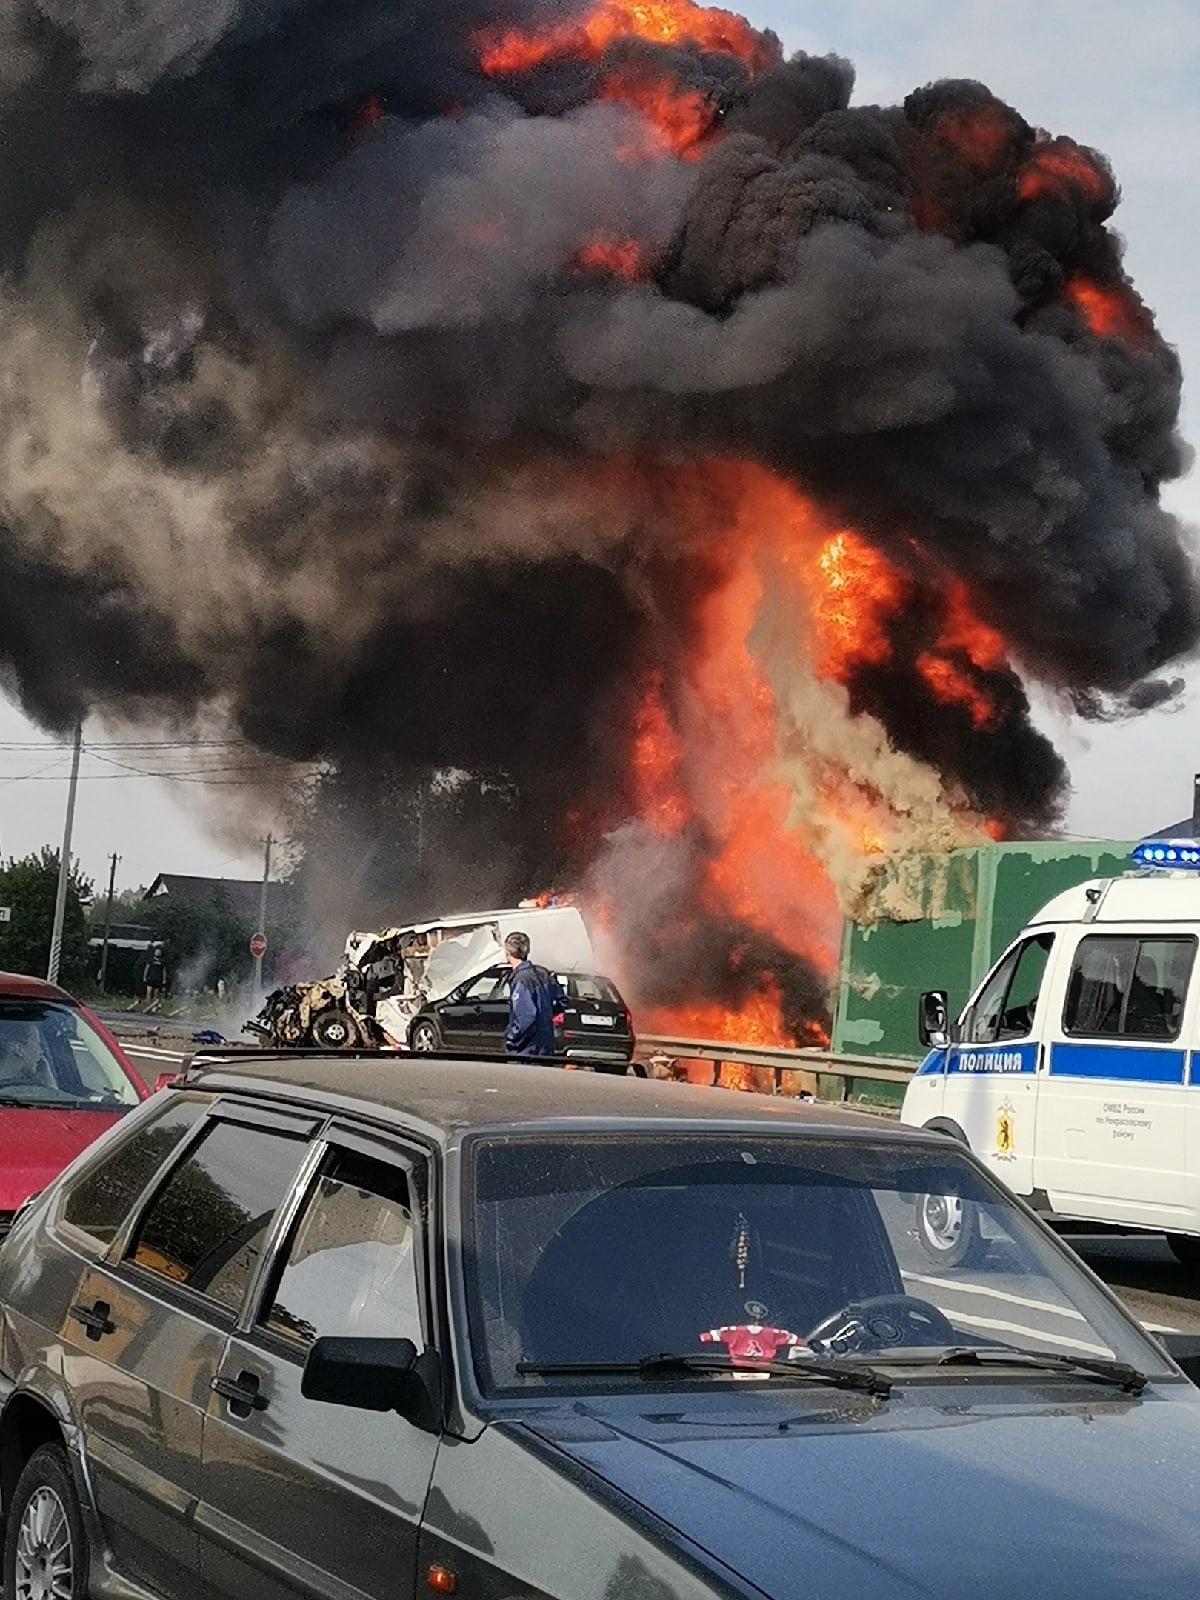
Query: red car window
(51, 1055)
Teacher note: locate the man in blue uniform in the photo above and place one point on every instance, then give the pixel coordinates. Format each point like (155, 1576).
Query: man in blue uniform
(534, 996)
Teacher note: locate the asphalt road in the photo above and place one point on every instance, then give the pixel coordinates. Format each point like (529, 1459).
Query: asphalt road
(1163, 1295)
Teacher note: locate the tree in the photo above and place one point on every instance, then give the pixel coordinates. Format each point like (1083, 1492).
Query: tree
(29, 888)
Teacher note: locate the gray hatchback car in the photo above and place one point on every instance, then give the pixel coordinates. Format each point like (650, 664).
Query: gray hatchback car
(354, 1327)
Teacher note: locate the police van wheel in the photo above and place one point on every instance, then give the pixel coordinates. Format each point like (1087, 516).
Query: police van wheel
(1186, 1249)
(948, 1230)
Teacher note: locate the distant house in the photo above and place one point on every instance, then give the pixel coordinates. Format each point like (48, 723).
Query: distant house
(241, 894)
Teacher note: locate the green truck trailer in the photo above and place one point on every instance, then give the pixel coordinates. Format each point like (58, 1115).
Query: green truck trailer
(939, 922)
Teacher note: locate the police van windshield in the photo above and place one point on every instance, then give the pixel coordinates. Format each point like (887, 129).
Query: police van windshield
(609, 1249)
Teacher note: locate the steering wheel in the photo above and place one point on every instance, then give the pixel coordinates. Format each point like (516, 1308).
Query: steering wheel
(882, 1322)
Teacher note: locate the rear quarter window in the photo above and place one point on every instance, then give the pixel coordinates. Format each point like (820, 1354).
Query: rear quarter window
(98, 1202)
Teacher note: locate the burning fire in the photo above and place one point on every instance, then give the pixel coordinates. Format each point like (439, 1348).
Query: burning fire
(1112, 313)
(859, 592)
(703, 753)
(615, 258)
(855, 592)
(682, 119)
(511, 50)
(1059, 169)
(758, 1020)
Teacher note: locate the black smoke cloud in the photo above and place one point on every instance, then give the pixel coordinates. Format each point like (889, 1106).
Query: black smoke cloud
(306, 400)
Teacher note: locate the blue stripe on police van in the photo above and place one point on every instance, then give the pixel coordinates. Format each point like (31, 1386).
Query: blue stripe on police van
(1000, 1059)
(935, 1061)
(1126, 1063)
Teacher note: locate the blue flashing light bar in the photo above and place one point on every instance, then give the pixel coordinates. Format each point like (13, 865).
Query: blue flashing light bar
(1172, 855)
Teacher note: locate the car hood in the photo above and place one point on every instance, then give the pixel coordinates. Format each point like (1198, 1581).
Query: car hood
(1091, 1497)
(35, 1146)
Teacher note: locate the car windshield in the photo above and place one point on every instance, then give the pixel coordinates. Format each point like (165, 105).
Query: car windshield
(50, 1055)
(603, 1251)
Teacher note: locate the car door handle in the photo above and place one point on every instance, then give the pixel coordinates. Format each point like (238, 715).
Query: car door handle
(242, 1393)
(95, 1319)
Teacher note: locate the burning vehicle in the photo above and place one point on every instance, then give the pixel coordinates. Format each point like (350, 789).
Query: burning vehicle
(385, 978)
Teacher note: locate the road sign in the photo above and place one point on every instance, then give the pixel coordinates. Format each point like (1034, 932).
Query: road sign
(258, 945)
(5, 913)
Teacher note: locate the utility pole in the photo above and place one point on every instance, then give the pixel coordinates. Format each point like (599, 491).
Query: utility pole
(112, 879)
(262, 915)
(64, 864)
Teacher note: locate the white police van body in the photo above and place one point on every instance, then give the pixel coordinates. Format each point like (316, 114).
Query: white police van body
(1074, 1069)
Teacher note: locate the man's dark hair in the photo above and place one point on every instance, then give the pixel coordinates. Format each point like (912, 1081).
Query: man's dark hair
(517, 944)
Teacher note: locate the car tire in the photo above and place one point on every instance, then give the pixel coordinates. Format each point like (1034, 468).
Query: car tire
(425, 1035)
(45, 1544)
(335, 1030)
(948, 1230)
(1185, 1247)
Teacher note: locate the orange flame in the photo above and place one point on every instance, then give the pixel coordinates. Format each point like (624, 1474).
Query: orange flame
(1113, 313)
(978, 136)
(618, 258)
(857, 589)
(509, 50)
(963, 630)
(682, 119)
(953, 686)
(758, 1020)
(1058, 168)
(657, 758)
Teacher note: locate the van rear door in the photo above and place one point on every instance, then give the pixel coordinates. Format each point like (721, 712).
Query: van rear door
(1112, 1105)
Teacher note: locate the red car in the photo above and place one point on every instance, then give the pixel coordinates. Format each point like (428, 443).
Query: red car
(63, 1080)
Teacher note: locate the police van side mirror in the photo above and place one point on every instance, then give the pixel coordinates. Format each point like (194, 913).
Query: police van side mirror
(933, 1020)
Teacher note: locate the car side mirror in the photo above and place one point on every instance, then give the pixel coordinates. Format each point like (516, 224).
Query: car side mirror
(933, 1021)
(375, 1375)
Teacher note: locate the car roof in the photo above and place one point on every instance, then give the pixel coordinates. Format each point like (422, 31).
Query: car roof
(25, 988)
(450, 1095)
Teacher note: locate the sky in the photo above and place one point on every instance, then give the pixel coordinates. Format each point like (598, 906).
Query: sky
(1122, 78)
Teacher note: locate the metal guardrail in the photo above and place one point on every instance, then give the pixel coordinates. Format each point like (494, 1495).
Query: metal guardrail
(820, 1063)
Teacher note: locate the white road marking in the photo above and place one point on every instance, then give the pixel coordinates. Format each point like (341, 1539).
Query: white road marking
(996, 1294)
(1017, 1300)
(995, 1324)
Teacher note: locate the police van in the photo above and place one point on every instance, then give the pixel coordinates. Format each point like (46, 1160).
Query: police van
(1074, 1069)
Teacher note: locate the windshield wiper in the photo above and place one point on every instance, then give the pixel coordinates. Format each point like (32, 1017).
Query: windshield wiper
(968, 1355)
(843, 1377)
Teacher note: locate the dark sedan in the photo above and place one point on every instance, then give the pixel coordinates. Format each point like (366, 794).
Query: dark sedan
(593, 1022)
(362, 1328)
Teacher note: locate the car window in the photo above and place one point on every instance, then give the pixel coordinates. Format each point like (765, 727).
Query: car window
(1122, 986)
(349, 1268)
(586, 986)
(205, 1228)
(101, 1200)
(51, 1055)
(1007, 1003)
(486, 987)
(601, 1249)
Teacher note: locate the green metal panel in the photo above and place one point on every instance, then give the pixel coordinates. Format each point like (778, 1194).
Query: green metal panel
(939, 922)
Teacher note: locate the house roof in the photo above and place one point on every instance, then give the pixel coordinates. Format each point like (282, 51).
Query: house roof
(242, 894)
